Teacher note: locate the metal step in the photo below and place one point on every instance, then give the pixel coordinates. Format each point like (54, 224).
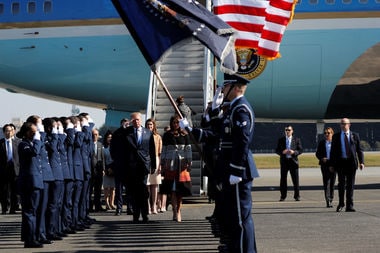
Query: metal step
(182, 71)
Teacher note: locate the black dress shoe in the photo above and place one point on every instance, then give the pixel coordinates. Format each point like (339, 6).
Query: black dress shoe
(69, 231)
(339, 208)
(78, 228)
(118, 213)
(54, 237)
(297, 199)
(61, 234)
(282, 199)
(129, 212)
(329, 205)
(44, 241)
(350, 209)
(33, 244)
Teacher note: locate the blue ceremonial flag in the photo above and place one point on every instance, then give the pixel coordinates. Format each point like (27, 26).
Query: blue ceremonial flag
(159, 26)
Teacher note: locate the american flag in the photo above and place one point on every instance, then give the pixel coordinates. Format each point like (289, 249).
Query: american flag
(261, 23)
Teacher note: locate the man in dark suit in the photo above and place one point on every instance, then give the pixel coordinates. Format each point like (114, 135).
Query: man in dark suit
(346, 155)
(289, 148)
(9, 170)
(118, 151)
(141, 160)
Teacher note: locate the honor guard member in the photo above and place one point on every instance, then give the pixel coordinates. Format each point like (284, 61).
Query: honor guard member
(235, 162)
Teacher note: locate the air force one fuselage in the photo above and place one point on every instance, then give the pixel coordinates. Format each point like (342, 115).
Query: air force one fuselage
(81, 52)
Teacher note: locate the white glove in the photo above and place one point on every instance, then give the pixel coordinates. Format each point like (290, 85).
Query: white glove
(218, 98)
(184, 124)
(90, 120)
(60, 129)
(54, 130)
(37, 136)
(235, 179)
(78, 128)
(84, 122)
(40, 127)
(69, 125)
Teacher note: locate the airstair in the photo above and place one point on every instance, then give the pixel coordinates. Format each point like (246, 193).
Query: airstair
(185, 71)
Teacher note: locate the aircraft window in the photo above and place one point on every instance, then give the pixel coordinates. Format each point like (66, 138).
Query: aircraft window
(313, 1)
(47, 6)
(330, 1)
(15, 8)
(347, 1)
(1, 9)
(363, 1)
(31, 7)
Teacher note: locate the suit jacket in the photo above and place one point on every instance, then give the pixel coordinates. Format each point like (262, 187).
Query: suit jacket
(336, 149)
(118, 149)
(9, 170)
(294, 145)
(97, 159)
(141, 158)
(321, 151)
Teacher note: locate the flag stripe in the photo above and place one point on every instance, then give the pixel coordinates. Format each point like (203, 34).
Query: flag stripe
(260, 23)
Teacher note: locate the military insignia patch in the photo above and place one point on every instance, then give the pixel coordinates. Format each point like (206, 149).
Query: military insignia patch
(250, 64)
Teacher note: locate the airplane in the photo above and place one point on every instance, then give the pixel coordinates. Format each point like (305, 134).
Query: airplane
(80, 52)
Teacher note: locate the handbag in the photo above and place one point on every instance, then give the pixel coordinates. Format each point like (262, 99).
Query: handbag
(186, 185)
(184, 176)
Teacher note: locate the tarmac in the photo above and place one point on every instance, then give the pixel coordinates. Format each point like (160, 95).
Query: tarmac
(289, 226)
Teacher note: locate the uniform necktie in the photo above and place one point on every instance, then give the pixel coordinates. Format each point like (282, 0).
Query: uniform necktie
(347, 146)
(9, 151)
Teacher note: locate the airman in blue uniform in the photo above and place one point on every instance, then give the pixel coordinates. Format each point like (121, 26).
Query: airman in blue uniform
(30, 182)
(235, 164)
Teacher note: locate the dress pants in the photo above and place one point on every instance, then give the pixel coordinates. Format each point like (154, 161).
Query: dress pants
(30, 200)
(78, 185)
(140, 196)
(54, 208)
(288, 165)
(67, 205)
(346, 180)
(238, 214)
(41, 212)
(328, 178)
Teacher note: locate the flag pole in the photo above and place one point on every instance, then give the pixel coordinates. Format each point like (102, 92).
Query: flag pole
(197, 147)
(168, 94)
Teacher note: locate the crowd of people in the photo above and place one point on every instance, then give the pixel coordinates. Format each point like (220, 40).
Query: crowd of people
(56, 169)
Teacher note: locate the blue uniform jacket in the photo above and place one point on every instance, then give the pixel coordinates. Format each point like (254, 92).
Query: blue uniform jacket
(77, 156)
(235, 134)
(30, 169)
(86, 150)
(67, 174)
(47, 173)
(54, 157)
(69, 145)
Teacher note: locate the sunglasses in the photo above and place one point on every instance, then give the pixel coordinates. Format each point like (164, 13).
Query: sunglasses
(287, 130)
(327, 133)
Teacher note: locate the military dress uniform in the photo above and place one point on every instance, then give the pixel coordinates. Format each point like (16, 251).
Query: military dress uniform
(236, 127)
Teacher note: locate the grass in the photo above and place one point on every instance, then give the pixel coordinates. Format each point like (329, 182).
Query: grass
(308, 160)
